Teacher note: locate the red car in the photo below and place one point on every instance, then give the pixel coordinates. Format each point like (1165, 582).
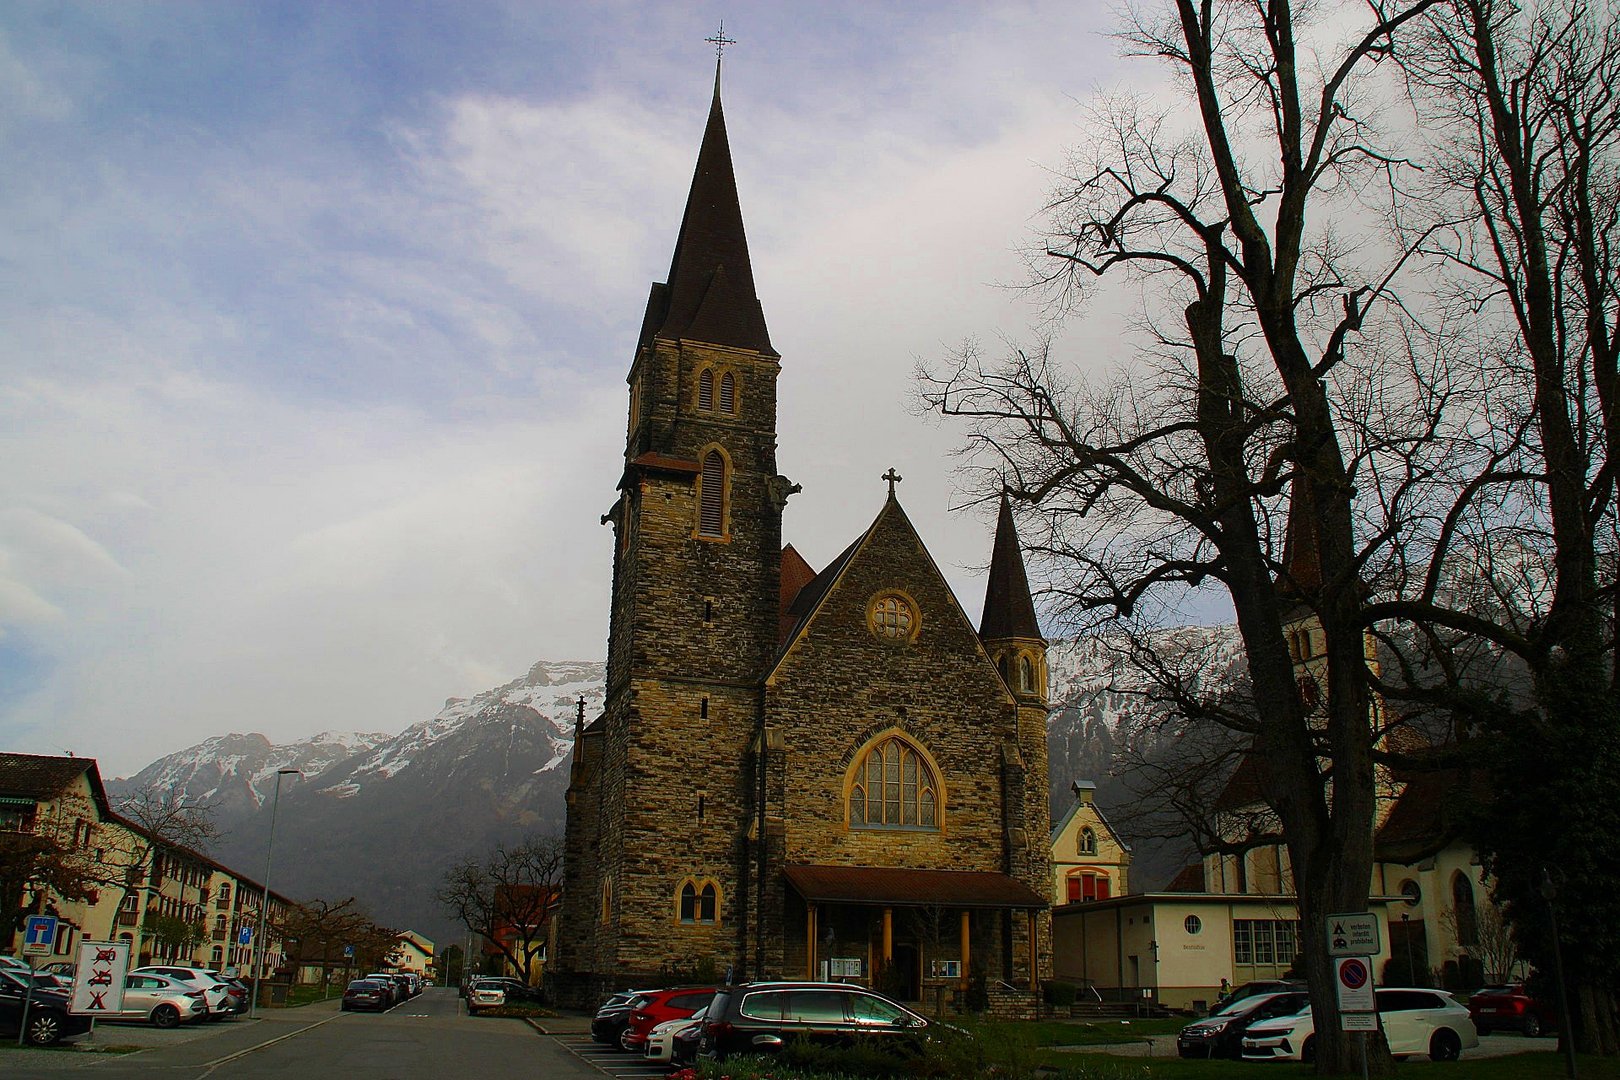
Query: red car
(656, 1006)
(1510, 1008)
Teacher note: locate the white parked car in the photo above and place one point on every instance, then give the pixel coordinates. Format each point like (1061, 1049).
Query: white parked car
(215, 991)
(661, 1039)
(485, 994)
(161, 1001)
(1415, 1021)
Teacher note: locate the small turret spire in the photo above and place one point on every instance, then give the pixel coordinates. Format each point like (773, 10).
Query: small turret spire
(1009, 612)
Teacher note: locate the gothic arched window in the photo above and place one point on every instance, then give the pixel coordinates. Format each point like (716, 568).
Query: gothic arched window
(706, 389)
(1462, 898)
(700, 903)
(728, 393)
(893, 786)
(1088, 841)
(712, 496)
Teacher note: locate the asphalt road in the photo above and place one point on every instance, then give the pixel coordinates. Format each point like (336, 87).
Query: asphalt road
(426, 1038)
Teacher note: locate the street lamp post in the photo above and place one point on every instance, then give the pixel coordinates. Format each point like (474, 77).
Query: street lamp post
(1406, 936)
(264, 903)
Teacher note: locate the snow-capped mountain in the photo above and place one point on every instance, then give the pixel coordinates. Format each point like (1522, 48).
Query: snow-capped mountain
(235, 773)
(382, 816)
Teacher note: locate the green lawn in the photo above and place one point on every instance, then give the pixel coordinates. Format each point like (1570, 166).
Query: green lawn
(1084, 1032)
(1529, 1066)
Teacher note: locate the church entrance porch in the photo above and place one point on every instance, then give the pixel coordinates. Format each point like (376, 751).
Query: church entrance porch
(919, 936)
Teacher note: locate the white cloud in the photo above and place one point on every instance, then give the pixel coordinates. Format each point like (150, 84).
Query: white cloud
(313, 440)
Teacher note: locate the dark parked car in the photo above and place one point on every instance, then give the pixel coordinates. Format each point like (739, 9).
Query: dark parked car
(1259, 986)
(1220, 1035)
(763, 1017)
(614, 1016)
(1510, 1008)
(366, 994)
(48, 1018)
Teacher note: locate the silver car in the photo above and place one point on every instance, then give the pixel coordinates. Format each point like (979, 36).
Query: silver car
(216, 993)
(161, 1001)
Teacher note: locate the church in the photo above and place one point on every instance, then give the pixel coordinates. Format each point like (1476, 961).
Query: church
(796, 773)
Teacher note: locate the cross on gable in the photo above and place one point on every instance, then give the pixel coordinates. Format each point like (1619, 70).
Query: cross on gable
(893, 478)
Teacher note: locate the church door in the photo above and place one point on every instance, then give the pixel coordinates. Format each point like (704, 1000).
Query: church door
(908, 963)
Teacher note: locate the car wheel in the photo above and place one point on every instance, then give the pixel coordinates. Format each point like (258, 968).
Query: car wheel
(43, 1029)
(624, 1040)
(165, 1016)
(1532, 1027)
(1445, 1046)
(1307, 1053)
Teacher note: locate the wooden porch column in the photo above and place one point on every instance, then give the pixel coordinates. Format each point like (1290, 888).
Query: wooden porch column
(888, 937)
(966, 953)
(1034, 954)
(810, 941)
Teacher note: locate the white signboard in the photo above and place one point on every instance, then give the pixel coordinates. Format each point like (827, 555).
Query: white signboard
(98, 981)
(1355, 984)
(1353, 934)
(1359, 1021)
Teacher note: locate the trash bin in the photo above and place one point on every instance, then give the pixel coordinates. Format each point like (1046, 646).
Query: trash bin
(278, 993)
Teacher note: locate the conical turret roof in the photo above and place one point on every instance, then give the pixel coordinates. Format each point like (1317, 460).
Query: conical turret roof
(710, 295)
(1009, 612)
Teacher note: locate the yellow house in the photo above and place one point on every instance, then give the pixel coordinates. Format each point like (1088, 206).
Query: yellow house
(413, 953)
(1089, 859)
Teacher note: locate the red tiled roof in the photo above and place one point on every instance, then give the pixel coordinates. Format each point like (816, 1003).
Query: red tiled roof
(33, 776)
(1189, 880)
(901, 887)
(796, 574)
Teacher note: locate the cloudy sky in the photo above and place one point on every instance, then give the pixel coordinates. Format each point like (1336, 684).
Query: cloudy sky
(317, 318)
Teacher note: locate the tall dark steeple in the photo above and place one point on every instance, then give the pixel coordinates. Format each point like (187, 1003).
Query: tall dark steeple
(709, 295)
(1302, 554)
(1008, 627)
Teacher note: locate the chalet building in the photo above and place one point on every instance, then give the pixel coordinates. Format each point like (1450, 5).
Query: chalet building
(1090, 861)
(796, 772)
(170, 903)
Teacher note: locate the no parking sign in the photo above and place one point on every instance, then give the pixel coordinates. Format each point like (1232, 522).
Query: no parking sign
(1355, 984)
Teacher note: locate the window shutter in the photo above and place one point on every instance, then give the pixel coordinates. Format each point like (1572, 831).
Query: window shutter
(711, 514)
(706, 389)
(728, 393)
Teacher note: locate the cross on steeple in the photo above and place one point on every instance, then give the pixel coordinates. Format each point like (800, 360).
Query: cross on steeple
(720, 41)
(893, 478)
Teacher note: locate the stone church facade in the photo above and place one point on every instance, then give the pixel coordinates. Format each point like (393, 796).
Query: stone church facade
(796, 773)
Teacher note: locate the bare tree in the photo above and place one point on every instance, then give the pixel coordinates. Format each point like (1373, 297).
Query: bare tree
(1523, 104)
(145, 823)
(1265, 399)
(335, 935)
(509, 898)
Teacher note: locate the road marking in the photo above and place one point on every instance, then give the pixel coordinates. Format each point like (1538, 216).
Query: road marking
(611, 1060)
(216, 1063)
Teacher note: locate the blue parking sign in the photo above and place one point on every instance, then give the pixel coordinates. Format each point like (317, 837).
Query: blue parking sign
(39, 935)
(246, 936)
